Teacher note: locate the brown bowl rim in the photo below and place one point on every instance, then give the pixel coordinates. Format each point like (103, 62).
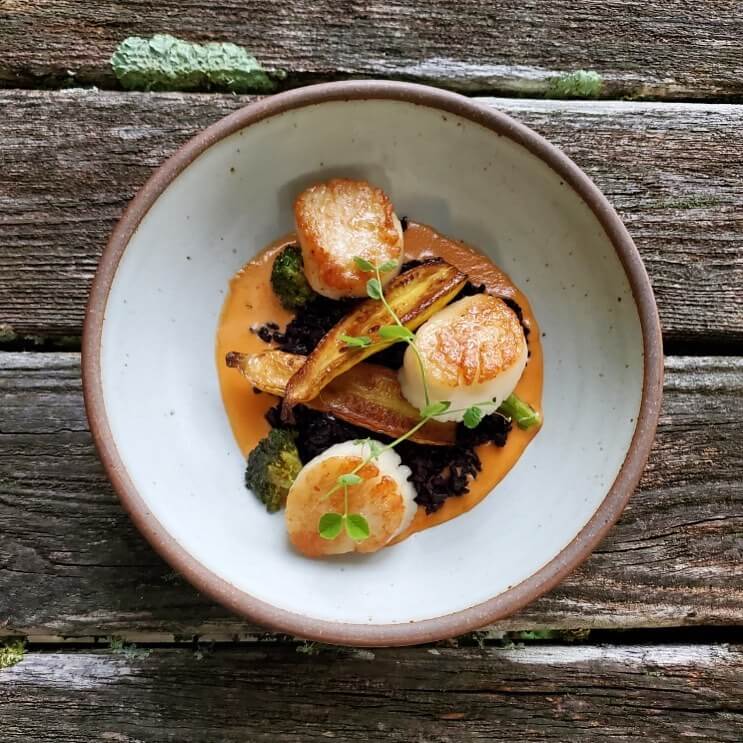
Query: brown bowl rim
(428, 630)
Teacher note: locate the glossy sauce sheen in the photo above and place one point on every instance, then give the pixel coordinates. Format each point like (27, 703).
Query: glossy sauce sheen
(251, 303)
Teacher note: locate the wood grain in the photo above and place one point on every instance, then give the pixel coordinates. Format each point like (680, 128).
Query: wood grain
(676, 49)
(274, 694)
(72, 564)
(73, 159)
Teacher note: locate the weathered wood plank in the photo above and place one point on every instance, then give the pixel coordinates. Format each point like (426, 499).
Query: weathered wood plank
(71, 562)
(676, 49)
(72, 160)
(271, 693)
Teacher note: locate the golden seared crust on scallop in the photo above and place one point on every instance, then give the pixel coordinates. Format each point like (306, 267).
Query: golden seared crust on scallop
(474, 352)
(378, 498)
(338, 220)
(473, 345)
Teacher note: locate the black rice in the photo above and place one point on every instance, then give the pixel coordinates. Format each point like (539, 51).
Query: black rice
(470, 289)
(493, 428)
(438, 472)
(308, 326)
(516, 307)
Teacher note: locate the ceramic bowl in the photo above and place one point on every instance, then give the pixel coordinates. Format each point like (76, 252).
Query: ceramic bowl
(152, 392)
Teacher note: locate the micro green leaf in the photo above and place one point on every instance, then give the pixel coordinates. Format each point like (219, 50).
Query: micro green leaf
(330, 525)
(375, 448)
(374, 288)
(396, 332)
(356, 341)
(363, 264)
(357, 527)
(435, 408)
(350, 478)
(472, 417)
(387, 266)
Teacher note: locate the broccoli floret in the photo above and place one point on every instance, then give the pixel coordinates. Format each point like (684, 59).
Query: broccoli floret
(272, 468)
(288, 279)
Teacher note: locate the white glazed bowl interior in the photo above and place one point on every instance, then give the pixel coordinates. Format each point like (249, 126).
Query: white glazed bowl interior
(162, 396)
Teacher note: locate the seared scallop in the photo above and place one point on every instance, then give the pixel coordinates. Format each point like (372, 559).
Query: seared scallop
(339, 220)
(473, 351)
(384, 497)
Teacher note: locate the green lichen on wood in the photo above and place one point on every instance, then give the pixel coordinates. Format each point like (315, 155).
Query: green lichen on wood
(11, 653)
(163, 62)
(578, 84)
(559, 635)
(516, 638)
(7, 334)
(311, 648)
(127, 649)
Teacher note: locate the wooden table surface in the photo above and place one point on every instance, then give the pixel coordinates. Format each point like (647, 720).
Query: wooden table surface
(644, 640)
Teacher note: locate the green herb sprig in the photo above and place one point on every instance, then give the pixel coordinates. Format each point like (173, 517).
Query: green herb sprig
(356, 526)
(332, 523)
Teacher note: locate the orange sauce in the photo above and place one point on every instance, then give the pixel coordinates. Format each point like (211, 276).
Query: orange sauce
(251, 303)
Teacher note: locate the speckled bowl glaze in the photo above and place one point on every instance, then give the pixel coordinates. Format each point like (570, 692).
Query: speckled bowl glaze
(152, 392)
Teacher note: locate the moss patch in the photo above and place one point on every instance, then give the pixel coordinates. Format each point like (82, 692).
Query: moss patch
(163, 62)
(559, 635)
(7, 334)
(11, 653)
(578, 84)
(127, 649)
